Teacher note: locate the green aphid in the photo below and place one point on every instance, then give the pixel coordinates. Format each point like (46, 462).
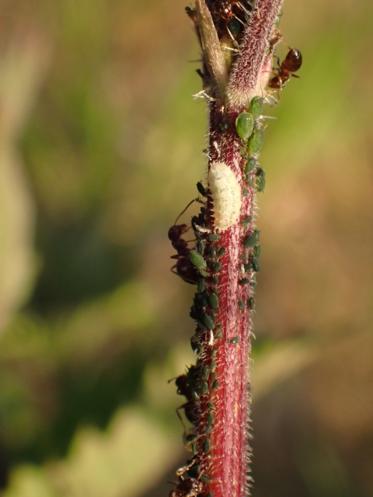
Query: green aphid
(251, 303)
(207, 322)
(256, 107)
(241, 305)
(218, 332)
(220, 252)
(234, 340)
(250, 165)
(255, 264)
(205, 374)
(213, 364)
(201, 285)
(213, 300)
(252, 239)
(213, 237)
(245, 192)
(215, 384)
(255, 144)
(215, 266)
(205, 479)
(260, 179)
(195, 343)
(245, 125)
(210, 420)
(215, 279)
(201, 299)
(205, 388)
(257, 250)
(201, 245)
(214, 354)
(206, 446)
(202, 189)
(210, 251)
(198, 261)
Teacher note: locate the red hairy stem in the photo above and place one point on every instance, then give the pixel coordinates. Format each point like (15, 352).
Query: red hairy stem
(229, 455)
(224, 261)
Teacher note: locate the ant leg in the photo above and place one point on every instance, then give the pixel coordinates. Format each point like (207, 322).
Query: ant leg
(180, 417)
(186, 208)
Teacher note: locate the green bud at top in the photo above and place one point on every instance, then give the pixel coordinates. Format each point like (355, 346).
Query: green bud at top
(245, 125)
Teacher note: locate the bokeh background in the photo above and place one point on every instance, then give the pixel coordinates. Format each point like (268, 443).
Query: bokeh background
(100, 148)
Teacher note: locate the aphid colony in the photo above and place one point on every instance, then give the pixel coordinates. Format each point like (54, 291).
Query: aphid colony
(198, 262)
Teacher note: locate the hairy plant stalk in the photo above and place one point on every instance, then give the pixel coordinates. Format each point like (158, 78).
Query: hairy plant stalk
(225, 258)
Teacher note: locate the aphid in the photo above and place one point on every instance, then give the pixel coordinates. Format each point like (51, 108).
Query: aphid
(213, 300)
(255, 143)
(220, 252)
(250, 166)
(213, 237)
(256, 107)
(207, 322)
(202, 189)
(236, 339)
(198, 262)
(251, 303)
(226, 195)
(206, 445)
(244, 125)
(215, 266)
(291, 64)
(251, 239)
(260, 179)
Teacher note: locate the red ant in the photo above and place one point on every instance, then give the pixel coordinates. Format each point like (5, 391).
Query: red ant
(291, 64)
(230, 16)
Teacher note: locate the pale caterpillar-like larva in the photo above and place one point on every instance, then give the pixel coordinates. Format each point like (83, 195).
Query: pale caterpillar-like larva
(226, 195)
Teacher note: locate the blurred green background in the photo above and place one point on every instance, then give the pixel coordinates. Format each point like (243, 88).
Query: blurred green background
(100, 148)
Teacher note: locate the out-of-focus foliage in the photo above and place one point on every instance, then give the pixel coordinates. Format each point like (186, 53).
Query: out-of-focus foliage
(100, 147)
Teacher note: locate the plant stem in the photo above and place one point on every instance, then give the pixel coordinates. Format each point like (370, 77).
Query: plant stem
(217, 388)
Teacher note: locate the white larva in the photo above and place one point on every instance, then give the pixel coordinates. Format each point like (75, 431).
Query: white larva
(226, 195)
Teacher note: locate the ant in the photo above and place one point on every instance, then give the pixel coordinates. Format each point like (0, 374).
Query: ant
(291, 64)
(188, 487)
(184, 266)
(229, 16)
